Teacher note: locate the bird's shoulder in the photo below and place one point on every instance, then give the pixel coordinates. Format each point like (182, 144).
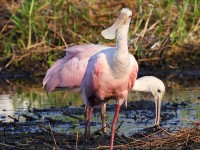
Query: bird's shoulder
(96, 58)
(102, 55)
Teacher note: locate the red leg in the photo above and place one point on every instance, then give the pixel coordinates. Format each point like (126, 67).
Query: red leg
(113, 128)
(87, 123)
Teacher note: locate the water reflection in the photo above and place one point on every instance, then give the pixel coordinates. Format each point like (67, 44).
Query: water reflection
(6, 107)
(26, 96)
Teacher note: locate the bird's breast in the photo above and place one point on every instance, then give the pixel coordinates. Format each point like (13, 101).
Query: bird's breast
(116, 89)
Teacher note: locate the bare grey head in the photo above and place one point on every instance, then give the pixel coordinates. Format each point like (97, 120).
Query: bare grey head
(154, 86)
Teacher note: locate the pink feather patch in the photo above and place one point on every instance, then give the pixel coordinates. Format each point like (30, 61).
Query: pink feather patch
(133, 77)
(98, 68)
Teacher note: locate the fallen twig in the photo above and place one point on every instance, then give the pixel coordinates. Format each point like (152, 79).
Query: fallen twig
(149, 59)
(124, 140)
(97, 131)
(72, 116)
(77, 139)
(53, 137)
(115, 147)
(119, 125)
(7, 145)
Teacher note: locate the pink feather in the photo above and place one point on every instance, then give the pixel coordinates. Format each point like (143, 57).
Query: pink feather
(68, 72)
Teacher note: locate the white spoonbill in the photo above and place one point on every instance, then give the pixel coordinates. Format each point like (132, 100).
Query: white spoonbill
(154, 86)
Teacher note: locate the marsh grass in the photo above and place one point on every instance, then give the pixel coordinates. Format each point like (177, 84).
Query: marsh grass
(30, 28)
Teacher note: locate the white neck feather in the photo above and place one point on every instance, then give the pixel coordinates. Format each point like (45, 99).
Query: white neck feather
(121, 56)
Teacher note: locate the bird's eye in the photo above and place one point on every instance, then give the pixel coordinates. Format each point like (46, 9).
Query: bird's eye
(159, 91)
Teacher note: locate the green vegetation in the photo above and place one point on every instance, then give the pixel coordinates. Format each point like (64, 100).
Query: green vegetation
(37, 29)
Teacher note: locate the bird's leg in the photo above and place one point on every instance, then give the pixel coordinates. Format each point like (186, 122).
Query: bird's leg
(115, 119)
(87, 123)
(103, 117)
(85, 112)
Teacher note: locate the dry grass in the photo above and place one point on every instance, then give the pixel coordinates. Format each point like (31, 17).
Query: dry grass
(185, 138)
(30, 29)
(162, 139)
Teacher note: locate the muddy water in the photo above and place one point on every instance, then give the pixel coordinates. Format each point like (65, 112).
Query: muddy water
(29, 106)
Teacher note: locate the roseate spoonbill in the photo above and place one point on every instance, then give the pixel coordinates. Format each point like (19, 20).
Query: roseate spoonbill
(111, 73)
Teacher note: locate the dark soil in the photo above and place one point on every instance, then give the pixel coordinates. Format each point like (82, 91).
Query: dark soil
(37, 132)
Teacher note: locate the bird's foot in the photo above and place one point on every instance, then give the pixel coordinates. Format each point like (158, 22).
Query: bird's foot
(157, 127)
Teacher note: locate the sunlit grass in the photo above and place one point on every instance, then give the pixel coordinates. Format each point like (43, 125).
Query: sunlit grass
(37, 27)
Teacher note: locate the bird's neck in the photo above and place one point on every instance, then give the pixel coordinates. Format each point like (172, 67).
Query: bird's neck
(121, 57)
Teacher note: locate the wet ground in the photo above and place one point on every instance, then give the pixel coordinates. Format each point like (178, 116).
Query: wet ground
(31, 119)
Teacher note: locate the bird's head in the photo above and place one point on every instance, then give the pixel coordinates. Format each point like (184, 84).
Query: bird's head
(158, 91)
(124, 18)
(125, 15)
(156, 87)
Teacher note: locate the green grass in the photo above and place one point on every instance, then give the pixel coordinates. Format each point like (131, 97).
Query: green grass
(38, 26)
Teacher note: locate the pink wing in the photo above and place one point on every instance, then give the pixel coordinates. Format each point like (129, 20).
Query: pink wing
(69, 71)
(91, 78)
(133, 74)
(132, 79)
(65, 73)
(96, 75)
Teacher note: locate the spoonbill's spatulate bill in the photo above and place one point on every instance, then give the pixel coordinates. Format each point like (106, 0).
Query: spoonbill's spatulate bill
(111, 73)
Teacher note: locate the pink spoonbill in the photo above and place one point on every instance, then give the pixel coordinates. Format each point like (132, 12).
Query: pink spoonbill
(111, 73)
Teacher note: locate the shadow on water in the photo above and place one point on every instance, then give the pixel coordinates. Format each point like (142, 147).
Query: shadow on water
(25, 103)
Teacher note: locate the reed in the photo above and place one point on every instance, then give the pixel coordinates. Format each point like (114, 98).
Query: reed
(39, 26)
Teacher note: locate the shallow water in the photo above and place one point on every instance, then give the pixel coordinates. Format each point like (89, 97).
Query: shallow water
(22, 99)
